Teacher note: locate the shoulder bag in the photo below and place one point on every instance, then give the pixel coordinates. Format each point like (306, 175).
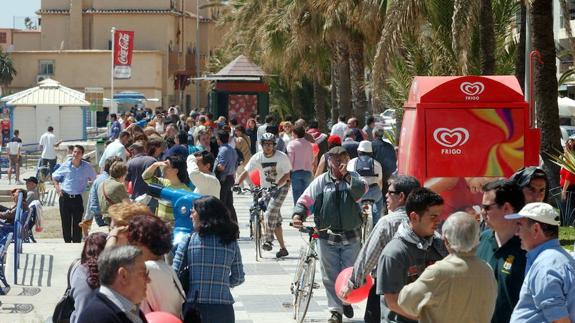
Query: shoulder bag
(65, 306)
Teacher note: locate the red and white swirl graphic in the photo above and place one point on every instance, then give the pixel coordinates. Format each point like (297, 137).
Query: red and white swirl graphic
(451, 137)
(472, 89)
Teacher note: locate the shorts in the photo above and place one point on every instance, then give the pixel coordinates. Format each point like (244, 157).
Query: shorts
(14, 160)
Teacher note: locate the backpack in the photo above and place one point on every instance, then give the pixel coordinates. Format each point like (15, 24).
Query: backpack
(364, 166)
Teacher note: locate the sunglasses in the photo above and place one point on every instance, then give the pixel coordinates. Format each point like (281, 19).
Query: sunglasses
(487, 207)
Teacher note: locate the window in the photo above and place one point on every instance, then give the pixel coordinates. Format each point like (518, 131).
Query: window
(3, 37)
(46, 67)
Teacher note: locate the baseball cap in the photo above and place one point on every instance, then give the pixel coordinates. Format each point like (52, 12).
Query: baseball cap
(540, 212)
(524, 176)
(334, 140)
(338, 150)
(31, 179)
(365, 146)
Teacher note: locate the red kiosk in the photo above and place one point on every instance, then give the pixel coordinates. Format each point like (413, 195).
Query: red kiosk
(458, 132)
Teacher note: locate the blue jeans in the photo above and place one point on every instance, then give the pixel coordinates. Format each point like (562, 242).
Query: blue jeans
(334, 259)
(374, 193)
(300, 180)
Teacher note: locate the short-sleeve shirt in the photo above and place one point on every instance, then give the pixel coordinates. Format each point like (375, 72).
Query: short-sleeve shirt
(401, 263)
(508, 264)
(271, 169)
(47, 141)
(14, 146)
(228, 157)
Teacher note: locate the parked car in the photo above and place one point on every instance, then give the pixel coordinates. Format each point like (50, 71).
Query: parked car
(388, 117)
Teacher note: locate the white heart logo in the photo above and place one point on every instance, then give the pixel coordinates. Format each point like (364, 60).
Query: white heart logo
(472, 88)
(451, 137)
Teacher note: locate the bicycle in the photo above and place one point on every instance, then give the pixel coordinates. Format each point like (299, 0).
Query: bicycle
(260, 196)
(367, 216)
(303, 285)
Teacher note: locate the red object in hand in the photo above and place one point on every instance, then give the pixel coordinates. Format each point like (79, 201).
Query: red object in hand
(357, 295)
(255, 177)
(162, 317)
(130, 188)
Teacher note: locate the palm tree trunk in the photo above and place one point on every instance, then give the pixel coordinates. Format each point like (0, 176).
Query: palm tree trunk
(520, 58)
(334, 75)
(357, 69)
(344, 81)
(319, 105)
(546, 85)
(487, 38)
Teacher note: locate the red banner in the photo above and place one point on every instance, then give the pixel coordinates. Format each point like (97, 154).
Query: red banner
(123, 48)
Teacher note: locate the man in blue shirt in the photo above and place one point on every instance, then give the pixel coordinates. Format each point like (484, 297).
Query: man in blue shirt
(70, 180)
(225, 169)
(115, 127)
(548, 291)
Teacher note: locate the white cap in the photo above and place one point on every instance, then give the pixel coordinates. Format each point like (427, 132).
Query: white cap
(540, 212)
(365, 146)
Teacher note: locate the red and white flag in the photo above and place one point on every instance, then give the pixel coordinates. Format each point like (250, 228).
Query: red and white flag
(123, 48)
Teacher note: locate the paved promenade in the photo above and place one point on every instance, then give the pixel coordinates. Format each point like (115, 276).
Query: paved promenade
(264, 297)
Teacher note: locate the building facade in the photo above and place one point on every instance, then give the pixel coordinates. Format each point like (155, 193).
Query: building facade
(73, 46)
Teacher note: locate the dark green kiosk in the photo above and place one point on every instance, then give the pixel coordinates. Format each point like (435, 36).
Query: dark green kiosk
(239, 91)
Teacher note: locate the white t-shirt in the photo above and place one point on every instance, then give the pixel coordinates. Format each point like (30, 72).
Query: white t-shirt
(115, 148)
(48, 140)
(377, 169)
(270, 169)
(13, 147)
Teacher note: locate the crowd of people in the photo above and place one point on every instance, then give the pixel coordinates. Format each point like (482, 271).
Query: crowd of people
(501, 263)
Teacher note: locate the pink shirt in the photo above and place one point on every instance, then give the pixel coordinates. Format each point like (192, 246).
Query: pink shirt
(300, 152)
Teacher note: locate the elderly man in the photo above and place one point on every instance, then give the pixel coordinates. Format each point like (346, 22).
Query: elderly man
(399, 188)
(415, 246)
(199, 167)
(459, 288)
(499, 246)
(533, 182)
(548, 291)
(123, 282)
(337, 215)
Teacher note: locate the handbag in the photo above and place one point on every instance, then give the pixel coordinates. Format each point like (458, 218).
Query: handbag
(65, 306)
(184, 270)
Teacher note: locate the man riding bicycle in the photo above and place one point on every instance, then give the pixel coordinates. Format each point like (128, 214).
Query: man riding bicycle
(337, 216)
(274, 169)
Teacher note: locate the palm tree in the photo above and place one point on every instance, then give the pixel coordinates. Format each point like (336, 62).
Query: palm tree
(546, 85)
(7, 71)
(487, 38)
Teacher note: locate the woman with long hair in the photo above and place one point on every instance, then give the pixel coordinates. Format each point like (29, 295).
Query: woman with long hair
(252, 132)
(153, 236)
(84, 276)
(175, 175)
(213, 254)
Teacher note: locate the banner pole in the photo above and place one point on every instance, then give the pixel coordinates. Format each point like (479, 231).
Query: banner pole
(113, 108)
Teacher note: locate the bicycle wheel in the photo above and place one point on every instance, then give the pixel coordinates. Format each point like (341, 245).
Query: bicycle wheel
(305, 290)
(295, 284)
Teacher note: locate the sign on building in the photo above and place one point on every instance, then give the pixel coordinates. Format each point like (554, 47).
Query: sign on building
(95, 95)
(123, 48)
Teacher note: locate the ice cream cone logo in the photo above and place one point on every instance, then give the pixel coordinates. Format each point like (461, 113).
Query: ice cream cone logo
(451, 137)
(472, 89)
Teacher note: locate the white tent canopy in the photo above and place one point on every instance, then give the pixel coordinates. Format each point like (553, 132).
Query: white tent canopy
(566, 107)
(48, 91)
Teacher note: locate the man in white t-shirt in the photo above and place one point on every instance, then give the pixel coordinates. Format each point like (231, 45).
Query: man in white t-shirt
(13, 149)
(116, 148)
(370, 170)
(274, 168)
(200, 167)
(47, 145)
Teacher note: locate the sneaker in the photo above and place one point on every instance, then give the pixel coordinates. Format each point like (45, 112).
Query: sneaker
(282, 253)
(18, 182)
(335, 318)
(267, 246)
(348, 311)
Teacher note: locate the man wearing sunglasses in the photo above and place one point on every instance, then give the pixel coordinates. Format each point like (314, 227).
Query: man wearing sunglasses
(499, 246)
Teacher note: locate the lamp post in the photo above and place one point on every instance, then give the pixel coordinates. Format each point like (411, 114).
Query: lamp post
(198, 54)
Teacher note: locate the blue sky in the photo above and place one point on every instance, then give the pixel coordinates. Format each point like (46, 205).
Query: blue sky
(18, 8)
